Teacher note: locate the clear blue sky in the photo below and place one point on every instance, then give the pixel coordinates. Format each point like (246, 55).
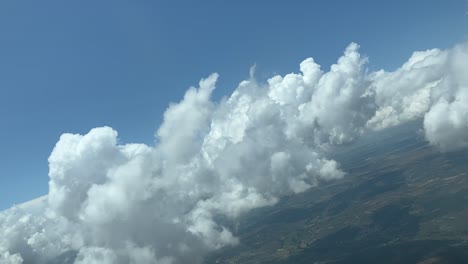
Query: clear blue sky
(69, 66)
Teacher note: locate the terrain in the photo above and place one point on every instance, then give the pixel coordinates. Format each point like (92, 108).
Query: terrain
(402, 201)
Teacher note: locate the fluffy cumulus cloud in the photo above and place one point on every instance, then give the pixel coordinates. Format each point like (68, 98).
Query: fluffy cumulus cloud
(171, 203)
(431, 85)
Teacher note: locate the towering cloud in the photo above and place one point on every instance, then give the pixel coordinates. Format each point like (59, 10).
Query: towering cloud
(171, 203)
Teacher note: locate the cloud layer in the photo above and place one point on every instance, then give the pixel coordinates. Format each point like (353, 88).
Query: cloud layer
(131, 203)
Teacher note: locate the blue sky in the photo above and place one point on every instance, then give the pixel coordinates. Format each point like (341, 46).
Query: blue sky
(69, 66)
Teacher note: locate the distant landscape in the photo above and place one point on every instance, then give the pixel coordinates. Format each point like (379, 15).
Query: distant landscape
(402, 202)
(234, 132)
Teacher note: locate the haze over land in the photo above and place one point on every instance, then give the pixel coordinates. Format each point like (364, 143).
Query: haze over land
(215, 161)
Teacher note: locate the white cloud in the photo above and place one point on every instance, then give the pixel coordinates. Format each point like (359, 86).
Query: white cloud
(432, 85)
(405, 94)
(131, 203)
(446, 123)
(339, 105)
(7, 258)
